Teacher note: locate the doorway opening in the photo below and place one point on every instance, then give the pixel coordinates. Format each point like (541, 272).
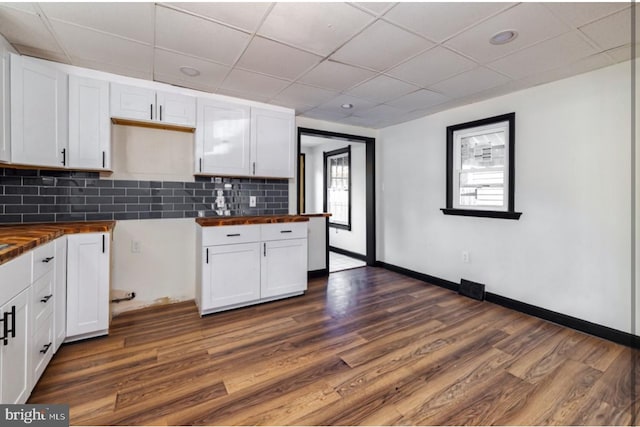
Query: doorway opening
(338, 177)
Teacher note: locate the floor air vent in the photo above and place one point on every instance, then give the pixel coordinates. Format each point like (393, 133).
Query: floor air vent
(471, 289)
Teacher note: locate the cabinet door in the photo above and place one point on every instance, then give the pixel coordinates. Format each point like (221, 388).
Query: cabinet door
(231, 275)
(38, 113)
(176, 109)
(132, 102)
(89, 123)
(272, 143)
(283, 267)
(15, 384)
(222, 138)
(87, 284)
(5, 135)
(60, 292)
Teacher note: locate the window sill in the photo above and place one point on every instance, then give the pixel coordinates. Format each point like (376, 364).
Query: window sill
(483, 214)
(340, 226)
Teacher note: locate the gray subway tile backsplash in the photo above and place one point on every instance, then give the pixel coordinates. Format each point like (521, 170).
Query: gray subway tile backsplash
(58, 196)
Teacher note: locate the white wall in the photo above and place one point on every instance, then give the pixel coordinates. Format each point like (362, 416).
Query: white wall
(570, 250)
(354, 240)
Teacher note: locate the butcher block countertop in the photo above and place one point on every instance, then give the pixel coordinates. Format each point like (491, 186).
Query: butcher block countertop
(246, 220)
(24, 237)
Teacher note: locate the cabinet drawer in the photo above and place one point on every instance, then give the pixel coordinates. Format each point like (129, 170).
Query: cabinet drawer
(42, 300)
(15, 276)
(42, 350)
(284, 231)
(43, 260)
(230, 234)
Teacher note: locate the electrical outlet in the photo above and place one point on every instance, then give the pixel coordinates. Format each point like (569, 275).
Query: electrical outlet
(135, 246)
(252, 201)
(465, 257)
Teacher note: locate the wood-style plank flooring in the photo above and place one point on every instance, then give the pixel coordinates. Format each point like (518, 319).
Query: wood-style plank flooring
(364, 347)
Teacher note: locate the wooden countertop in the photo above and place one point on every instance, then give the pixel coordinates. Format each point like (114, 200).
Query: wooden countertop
(316, 215)
(246, 220)
(24, 237)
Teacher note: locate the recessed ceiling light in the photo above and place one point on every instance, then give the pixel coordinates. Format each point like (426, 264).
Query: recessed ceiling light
(347, 106)
(189, 71)
(503, 37)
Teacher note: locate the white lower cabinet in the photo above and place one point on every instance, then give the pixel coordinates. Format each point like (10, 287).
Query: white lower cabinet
(15, 348)
(87, 285)
(248, 264)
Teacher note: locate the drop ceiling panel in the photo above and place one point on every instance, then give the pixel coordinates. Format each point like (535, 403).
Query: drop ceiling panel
(196, 36)
(317, 27)
(252, 83)
(20, 27)
(132, 20)
(419, 99)
(112, 68)
(374, 7)
(299, 94)
(432, 66)
(246, 16)
(440, 21)
(83, 43)
(41, 53)
(532, 21)
(384, 112)
(622, 53)
(276, 59)
(612, 31)
(381, 46)
(329, 115)
(337, 76)
(581, 66)
(470, 82)
(544, 56)
(578, 14)
(168, 65)
(382, 88)
(335, 105)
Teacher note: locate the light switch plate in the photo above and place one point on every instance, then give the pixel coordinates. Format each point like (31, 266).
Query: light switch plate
(252, 201)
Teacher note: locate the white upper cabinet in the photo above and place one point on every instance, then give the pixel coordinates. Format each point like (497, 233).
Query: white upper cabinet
(272, 143)
(222, 138)
(5, 134)
(89, 124)
(236, 140)
(139, 103)
(38, 113)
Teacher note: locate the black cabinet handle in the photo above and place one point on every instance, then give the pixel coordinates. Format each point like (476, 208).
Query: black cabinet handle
(45, 348)
(233, 235)
(46, 298)
(103, 245)
(5, 328)
(254, 168)
(151, 111)
(47, 259)
(207, 255)
(104, 160)
(64, 156)
(285, 231)
(264, 249)
(161, 113)
(200, 160)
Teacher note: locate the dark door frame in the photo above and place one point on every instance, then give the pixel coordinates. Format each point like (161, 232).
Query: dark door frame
(370, 177)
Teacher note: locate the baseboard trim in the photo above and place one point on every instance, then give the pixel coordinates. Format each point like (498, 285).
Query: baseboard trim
(317, 273)
(581, 325)
(348, 253)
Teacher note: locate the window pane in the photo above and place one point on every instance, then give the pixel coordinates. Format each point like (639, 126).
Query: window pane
(338, 188)
(482, 151)
(482, 188)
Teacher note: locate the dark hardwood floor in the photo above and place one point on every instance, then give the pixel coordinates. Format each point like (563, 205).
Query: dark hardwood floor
(365, 347)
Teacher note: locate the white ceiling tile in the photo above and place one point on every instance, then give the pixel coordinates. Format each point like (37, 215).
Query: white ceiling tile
(419, 99)
(251, 83)
(306, 95)
(336, 103)
(299, 107)
(177, 81)
(273, 58)
(581, 66)
(612, 31)
(359, 121)
(622, 53)
(104, 48)
(532, 21)
(318, 27)
(383, 112)
(243, 95)
(382, 88)
(470, 82)
(577, 14)
(21, 6)
(132, 20)
(334, 75)
(26, 29)
(168, 64)
(196, 36)
(41, 53)
(439, 21)
(544, 56)
(319, 114)
(381, 46)
(122, 70)
(244, 15)
(374, 7)
(432, 66)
